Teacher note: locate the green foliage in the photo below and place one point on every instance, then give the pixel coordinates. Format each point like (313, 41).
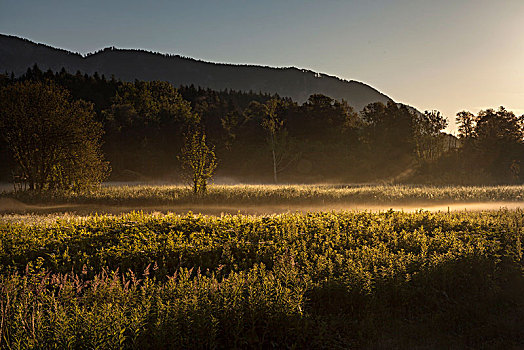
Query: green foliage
(321, 140)
(144, 124)
(322, 280)
(54, 142)
(149, 103)
(198, 161)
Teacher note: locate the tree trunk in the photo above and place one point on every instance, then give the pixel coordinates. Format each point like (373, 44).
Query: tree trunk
(274, 166)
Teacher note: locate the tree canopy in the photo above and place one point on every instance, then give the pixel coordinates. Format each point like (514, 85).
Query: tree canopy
(198, 161)
(54, 141)
(144, 125)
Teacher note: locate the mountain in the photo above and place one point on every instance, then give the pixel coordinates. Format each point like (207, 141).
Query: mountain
(17, 54)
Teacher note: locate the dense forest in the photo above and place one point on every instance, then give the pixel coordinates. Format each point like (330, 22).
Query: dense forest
(260, 137)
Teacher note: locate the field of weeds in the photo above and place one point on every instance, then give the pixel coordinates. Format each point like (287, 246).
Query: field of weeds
(277, 194)
(317, 280)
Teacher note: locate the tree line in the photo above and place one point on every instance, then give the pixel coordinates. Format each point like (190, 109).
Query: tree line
(139, 129)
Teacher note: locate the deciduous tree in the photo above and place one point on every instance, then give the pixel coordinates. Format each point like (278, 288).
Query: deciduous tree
(429, 139)
(54, 141)
(198, 161)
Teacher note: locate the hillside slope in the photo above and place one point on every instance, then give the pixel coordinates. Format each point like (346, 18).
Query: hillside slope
(17, 54)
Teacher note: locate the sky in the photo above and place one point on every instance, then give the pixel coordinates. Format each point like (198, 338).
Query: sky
(448, 55)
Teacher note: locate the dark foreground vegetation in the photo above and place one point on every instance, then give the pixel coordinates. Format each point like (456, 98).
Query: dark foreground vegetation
(259, 137)
(325, 280)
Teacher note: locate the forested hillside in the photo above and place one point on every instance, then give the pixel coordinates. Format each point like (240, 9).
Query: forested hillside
(16, 54)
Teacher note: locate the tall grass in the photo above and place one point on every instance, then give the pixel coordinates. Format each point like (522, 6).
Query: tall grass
(323, 280)
(284, 194)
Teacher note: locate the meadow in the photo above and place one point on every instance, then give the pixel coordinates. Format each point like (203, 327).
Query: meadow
(255, 195)
(297, 280)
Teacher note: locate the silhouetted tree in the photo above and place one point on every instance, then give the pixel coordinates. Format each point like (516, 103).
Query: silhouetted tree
(389, 136)
(54, 141)
(466, 122)
(428, 136)
(198, 161)
(498, 142)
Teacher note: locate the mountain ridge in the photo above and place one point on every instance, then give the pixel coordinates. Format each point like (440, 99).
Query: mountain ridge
(17, 54)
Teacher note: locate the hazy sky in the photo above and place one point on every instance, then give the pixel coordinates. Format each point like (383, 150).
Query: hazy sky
(448, 55)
